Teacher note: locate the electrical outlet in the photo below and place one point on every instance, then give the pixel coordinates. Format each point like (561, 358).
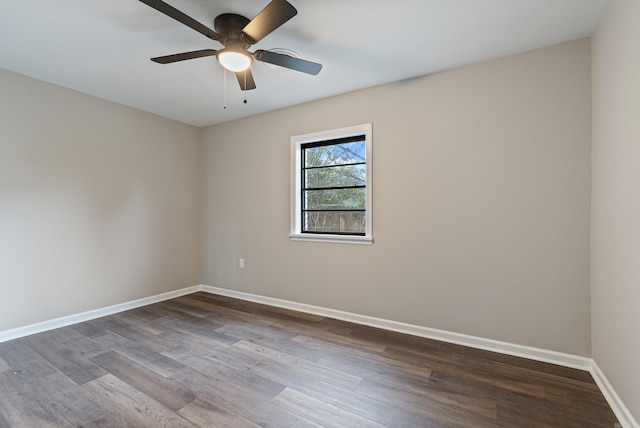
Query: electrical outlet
(241, 264)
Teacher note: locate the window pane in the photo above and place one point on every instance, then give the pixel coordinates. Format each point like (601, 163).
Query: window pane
(350, 175)
(339, 199)
(335, 222)
(337, 154)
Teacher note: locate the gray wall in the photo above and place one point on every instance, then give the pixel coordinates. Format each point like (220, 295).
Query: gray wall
(481, 202)
(99, 203)
(615, 271)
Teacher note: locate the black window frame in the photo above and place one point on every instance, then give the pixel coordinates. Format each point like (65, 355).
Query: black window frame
(303, 168)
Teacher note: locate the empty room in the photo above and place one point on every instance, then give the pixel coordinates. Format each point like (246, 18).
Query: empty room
(224, 213)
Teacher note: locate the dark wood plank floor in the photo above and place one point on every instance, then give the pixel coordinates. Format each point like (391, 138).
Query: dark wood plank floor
(211, 361)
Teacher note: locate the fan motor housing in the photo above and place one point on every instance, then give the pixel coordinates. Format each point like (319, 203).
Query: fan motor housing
(229, 26)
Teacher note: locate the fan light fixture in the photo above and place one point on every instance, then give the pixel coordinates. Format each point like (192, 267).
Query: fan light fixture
(233, 60)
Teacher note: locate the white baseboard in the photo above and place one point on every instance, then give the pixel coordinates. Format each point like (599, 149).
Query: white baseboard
(625, 417)
(89, 315)
(623, 414)
(537, 354)
(566, 360)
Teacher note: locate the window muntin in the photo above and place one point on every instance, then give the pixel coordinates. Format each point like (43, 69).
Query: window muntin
(355, 174)
(331, 186)
(334, 186)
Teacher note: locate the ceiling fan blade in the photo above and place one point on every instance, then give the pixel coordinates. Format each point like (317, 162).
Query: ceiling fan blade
(245, 79)
(271, 17)
(183, 56)
(288, 62)
(174, 13)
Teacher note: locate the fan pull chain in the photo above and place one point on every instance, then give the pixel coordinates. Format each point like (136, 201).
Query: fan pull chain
(225, 88)
(245, 86)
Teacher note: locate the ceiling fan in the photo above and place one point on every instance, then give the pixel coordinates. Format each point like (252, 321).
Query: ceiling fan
(236, 33)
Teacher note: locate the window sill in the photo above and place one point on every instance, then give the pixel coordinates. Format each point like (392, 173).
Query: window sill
(336, 239)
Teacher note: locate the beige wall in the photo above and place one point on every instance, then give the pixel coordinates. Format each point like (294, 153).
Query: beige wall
(615, 272)
(481, 202)
(99, 203)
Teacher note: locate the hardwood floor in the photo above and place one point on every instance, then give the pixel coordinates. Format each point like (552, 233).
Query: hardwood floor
(211, 361)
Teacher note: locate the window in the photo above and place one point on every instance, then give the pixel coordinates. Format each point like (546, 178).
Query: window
(331, 186)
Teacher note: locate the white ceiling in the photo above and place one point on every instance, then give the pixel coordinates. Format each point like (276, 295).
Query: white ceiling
(102, 47)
